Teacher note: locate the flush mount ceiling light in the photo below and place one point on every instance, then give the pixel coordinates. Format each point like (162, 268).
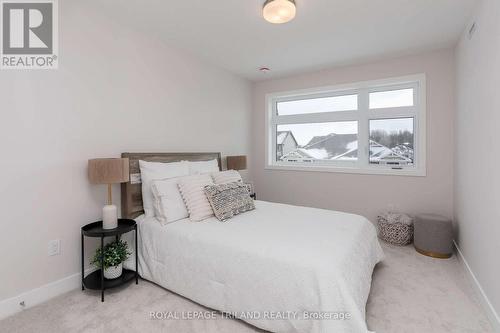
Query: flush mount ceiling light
(279, 11)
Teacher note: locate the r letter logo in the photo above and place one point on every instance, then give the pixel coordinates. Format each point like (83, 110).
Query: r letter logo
(29, 34)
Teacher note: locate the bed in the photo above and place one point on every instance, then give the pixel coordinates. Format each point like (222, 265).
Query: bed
(281, 268)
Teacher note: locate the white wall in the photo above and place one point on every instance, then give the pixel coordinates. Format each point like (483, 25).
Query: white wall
(116, 90)
(477, 157)
(368, 194)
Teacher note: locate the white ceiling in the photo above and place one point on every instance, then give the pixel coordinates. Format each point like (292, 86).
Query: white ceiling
(232, 33)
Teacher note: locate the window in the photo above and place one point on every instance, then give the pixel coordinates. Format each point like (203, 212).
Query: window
(395, 134)
(316, 105)
(310, 142)
(370, 127)
(391, 98)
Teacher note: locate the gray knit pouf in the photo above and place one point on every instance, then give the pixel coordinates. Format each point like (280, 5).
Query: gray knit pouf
(433, 236)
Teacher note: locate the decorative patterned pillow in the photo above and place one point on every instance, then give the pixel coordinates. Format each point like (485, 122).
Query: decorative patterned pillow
(224, 177)
(229, 199)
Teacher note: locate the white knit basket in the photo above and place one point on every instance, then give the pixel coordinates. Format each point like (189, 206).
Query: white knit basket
(113, 272)
(395, 232)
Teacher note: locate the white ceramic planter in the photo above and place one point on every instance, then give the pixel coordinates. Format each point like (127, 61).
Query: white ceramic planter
(113, 272)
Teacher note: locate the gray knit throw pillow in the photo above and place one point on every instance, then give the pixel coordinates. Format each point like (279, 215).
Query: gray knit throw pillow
(229, 199)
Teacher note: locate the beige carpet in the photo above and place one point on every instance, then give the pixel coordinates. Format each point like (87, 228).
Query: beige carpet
(410, 293)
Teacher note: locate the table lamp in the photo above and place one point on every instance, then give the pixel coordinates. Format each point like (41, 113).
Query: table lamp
(236, 162)
(240, 163)
(109, 171)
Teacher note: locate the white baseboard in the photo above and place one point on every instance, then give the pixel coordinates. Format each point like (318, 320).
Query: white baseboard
(39, 295)
(485, 302)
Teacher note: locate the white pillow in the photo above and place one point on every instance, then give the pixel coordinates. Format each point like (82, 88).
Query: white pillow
(193, 192)
(152, 171)
(224, 177)
(203, 167)
(168, 203)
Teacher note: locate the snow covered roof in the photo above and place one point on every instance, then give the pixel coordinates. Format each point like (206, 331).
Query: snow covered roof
(342, 147)
(319, 154)
(380, 152)
(351, 153)
(333, 144)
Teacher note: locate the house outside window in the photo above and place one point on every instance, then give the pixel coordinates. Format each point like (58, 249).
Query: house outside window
(375, 127)
(285, 143)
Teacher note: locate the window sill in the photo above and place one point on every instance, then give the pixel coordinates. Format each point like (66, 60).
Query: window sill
(409, 172)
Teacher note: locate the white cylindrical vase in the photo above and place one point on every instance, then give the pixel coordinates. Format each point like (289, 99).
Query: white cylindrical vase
(109, 217)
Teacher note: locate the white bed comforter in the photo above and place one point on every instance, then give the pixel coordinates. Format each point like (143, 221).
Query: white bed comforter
(278, 260)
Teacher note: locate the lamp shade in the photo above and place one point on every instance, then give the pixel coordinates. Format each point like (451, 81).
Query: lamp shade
(236, 162)
(109, 170)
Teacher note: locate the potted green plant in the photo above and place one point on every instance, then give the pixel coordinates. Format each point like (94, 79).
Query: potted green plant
(113, 254)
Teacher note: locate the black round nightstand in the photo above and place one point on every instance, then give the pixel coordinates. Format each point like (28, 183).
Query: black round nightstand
(96, 280)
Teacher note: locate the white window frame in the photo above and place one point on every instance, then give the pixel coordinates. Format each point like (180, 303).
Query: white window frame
(363, 115)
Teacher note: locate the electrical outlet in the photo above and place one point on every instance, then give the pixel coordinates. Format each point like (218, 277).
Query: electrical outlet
(54, 247)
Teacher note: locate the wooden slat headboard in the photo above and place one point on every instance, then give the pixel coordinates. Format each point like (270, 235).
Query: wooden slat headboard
(132, 191)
